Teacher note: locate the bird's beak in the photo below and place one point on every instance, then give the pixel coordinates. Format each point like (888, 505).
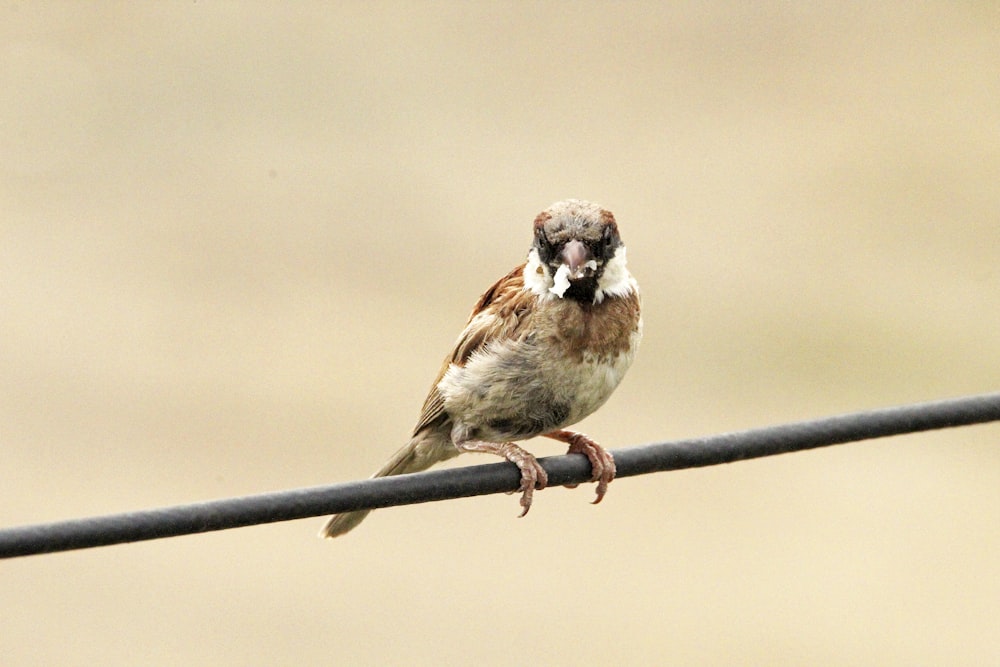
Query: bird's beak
(577, 258)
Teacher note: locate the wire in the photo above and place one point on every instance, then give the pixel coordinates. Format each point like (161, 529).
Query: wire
(492, 478)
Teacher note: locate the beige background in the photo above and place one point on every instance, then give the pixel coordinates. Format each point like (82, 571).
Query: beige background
(237, 239)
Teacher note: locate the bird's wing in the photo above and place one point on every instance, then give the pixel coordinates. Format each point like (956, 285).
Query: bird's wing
(500, 313)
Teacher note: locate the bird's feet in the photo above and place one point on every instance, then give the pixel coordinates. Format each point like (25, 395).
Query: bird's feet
(533, 475)
(602, 463)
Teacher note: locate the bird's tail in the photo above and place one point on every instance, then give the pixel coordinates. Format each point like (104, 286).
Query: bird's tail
(422, 451)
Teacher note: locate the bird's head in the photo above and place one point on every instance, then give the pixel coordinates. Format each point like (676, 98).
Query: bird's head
(577, 252)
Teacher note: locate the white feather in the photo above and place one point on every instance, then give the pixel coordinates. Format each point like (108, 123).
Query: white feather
(616, 280)
(536, 275)
(561, 282)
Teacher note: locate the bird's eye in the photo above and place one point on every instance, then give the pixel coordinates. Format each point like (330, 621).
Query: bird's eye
(545, 249)
(608, 238)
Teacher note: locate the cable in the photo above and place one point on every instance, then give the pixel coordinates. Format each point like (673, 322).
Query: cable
(491, 478)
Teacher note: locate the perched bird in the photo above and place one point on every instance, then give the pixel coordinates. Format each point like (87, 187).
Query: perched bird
(544, 347)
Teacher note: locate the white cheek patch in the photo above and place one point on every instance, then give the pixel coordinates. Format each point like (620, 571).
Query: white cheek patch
(536, 276)
(616, 280)
(561, 281)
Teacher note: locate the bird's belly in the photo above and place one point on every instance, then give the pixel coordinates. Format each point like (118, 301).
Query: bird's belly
(594, 381)
(505, 395)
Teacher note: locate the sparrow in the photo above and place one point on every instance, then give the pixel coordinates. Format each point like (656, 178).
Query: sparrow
(544, 347)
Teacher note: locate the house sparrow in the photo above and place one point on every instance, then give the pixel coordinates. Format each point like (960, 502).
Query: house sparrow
(544, 347)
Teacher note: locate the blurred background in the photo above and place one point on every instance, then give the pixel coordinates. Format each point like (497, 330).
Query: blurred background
(236, 240)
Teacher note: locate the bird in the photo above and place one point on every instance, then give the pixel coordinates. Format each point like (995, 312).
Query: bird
(544, 347)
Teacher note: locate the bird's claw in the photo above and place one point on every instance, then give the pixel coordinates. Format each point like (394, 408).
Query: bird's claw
(533, 476)
(602, 463)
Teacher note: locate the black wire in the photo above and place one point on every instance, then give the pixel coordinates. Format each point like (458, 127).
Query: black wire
(487, 479)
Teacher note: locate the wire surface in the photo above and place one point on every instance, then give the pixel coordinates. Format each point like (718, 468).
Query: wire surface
(492, 478)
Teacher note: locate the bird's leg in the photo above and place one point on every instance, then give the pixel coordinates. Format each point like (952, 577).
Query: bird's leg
(533, 476)
(602, 463)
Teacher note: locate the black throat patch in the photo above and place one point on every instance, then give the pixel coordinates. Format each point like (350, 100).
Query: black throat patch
(582, 290)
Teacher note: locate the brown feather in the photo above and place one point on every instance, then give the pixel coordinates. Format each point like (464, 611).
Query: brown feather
(603, 330)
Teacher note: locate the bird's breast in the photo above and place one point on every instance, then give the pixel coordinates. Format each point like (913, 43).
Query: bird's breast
(563, 369)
